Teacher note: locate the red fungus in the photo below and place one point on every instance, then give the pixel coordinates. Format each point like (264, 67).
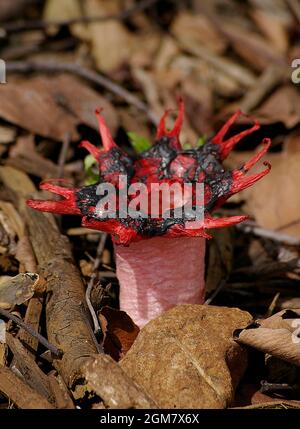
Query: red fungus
(156, 273)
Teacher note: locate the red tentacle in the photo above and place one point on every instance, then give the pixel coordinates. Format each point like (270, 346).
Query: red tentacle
(107, 140)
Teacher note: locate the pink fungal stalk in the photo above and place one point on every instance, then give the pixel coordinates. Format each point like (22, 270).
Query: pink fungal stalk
(160, 257)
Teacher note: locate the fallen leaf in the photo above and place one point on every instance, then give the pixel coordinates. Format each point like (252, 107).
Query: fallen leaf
(111, 42)
(14, 221)
(282, 106)
(272, 27)
(54, 110)
(16, 290)
(195, 29)
(119, 332)
(24, 156)
(12, 226)
(274, 202)
(253, 48)
(7, 134)
(278, 335)
(187, 358)
(58, 10)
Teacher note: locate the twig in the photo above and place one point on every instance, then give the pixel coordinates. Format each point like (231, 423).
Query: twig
(63, 154)
(271, 77)
(273, 387)
(57, 352)
(12, 27)
(90, 286)
(295, 8)
(89, 75)
(251, 228)
(216, 292)
(272, 306)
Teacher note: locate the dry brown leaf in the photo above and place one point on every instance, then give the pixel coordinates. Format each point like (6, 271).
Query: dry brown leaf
(191, 29)
(279, 336)
(282, 106)
(24, 156)
(12, 226)
(7, 134)
(275, 201)
(251, 47)
(111, 42)
(187, 358)
(13, 217)
(272, 27)
(167, 51)
(47, 105)
(16, 290)
(150, 43)
(58, 10)
(119, 332)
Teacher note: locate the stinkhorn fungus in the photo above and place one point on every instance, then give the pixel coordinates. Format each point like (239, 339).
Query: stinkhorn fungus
(159, 254)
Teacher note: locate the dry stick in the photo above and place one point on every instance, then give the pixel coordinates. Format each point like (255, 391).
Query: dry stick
(20, 393)
(89, 75)
(221, 286)
(90, 286)
(67, 322)
(39, 25)
(29, 369)
(270, 78)
(56, 352)
(63, 154)
(295, 8)
(252, 228)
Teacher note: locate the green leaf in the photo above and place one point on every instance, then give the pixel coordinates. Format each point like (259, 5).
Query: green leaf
(89, 164)
(139, 143)
(201, 141)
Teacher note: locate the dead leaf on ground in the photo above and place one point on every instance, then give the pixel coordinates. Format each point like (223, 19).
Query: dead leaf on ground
(119, 332)
(47, 106)
(278, 335)
(283, 105)
(58, 10)
(16, 290)
(193, 29)
(187, 358)
(24, 156)
(7, 134)
(11, 227)
(111, 41)
(275, 201)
